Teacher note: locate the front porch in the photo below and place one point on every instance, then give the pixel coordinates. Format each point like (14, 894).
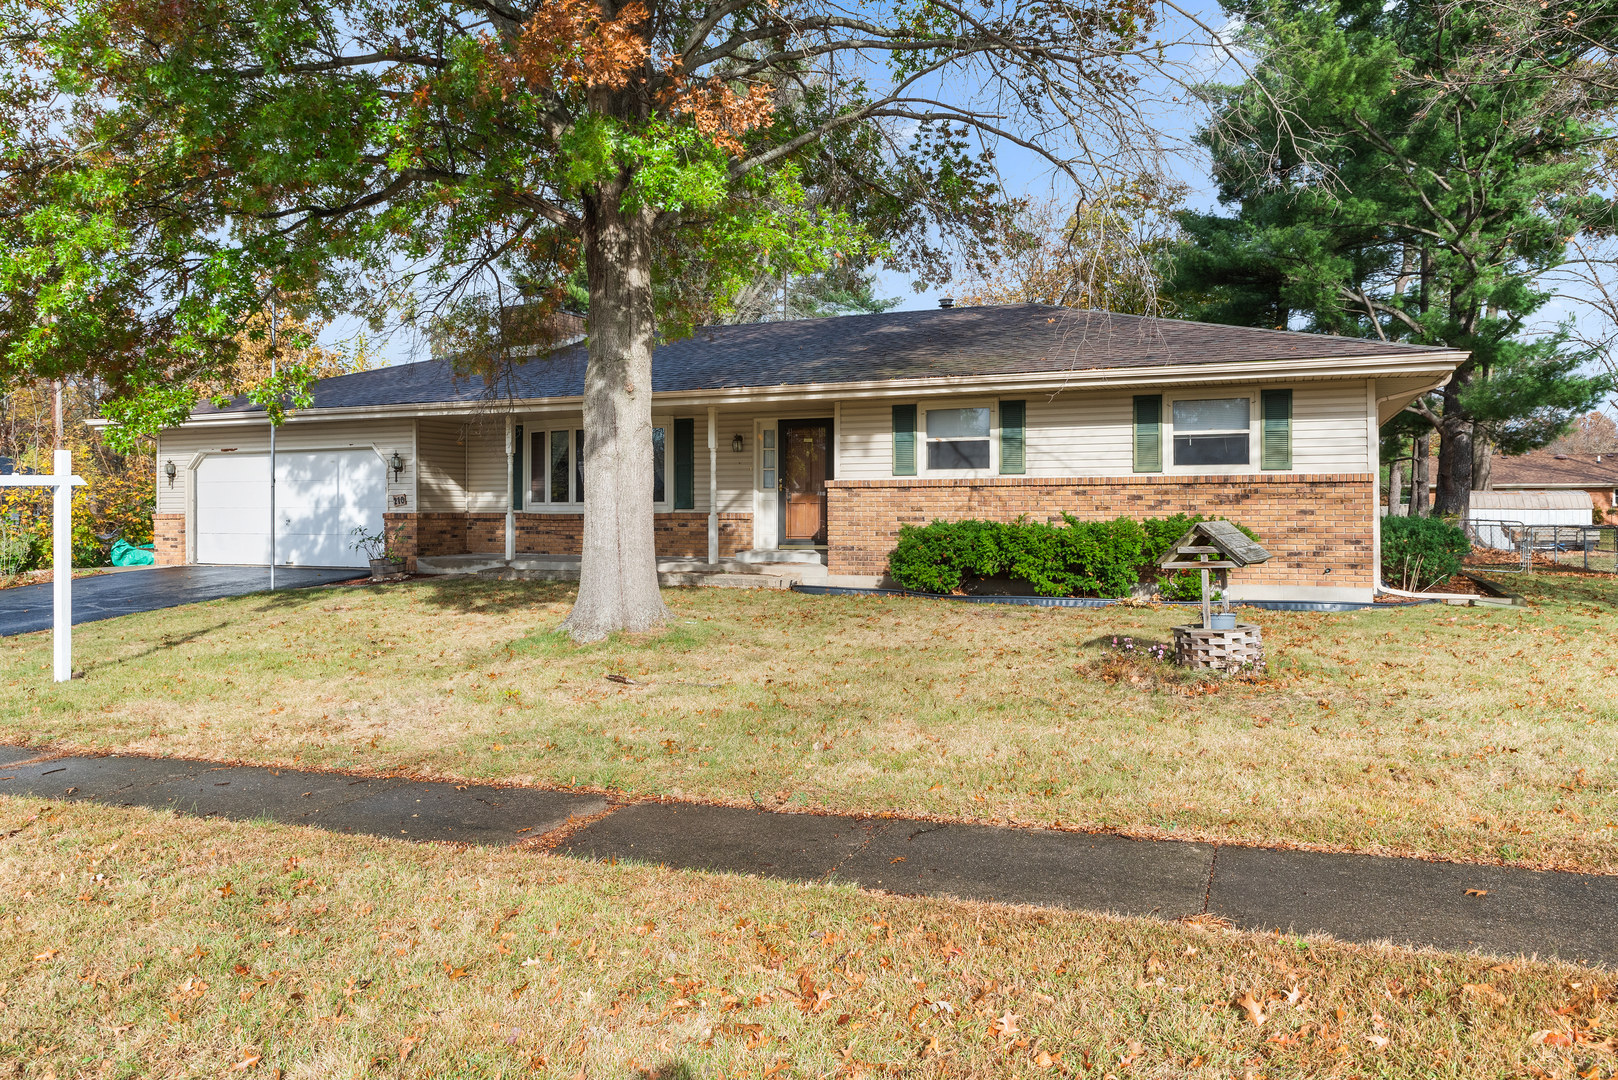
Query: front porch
(745, 570)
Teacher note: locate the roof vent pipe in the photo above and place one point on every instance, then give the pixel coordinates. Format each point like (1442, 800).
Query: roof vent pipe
(946, 301)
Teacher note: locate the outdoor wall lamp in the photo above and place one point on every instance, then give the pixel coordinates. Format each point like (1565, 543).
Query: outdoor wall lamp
(396, 463)
(735, 444)
(169, 471)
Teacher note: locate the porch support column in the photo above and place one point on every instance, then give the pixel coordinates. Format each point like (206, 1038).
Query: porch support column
(713, 484)
(511, 487)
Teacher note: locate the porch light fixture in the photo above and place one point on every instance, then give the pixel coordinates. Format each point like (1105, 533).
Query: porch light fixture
(169, 471)
(396, 463)
(735, 444)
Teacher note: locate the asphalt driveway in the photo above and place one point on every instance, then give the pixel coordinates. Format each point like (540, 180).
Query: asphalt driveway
(27, 608)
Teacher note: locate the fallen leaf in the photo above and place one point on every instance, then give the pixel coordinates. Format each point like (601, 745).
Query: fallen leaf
(1252, 1006)
(46, 955)
(407, 1044)
(227, 889)
(1550, 1038)
(247, 1062)
(1378, 1041)
(1477, 892)
(1487, 993)
(1005, 1025)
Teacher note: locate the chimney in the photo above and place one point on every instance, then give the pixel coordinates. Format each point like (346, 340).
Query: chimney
(946, 301)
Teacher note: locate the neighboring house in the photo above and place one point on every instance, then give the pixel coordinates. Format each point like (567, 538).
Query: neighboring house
(830, 434)
(1543, 470)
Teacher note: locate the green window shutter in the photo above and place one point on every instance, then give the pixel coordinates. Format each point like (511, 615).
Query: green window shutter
(904, 440)
(1149, 433)
(516, 469)
(1013, 436)
(1275, 451)
(685, 464)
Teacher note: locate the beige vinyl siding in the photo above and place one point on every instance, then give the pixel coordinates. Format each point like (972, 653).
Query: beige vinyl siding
(441, 451)
(486, 466)
(1080, 435)
(183, 445)
(1328, 428)
(1089, 434)
(865, 440)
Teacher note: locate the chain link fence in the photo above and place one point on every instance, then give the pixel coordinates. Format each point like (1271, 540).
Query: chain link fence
(1511, 547)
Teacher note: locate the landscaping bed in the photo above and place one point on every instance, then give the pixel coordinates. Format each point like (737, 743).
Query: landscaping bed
(1480, 734)
(141, 943)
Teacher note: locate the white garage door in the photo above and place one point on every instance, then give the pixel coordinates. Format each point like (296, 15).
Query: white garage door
(320, 497)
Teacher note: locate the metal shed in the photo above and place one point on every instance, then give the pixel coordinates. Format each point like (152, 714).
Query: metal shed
(1492, 513)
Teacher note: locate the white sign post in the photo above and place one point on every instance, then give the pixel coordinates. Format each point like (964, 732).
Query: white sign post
(63, 481)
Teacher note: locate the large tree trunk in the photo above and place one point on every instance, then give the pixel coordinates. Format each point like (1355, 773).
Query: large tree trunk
(1421, 475)
(1396, 485)
(1482, 462)
(1454, 455)
(618, 572)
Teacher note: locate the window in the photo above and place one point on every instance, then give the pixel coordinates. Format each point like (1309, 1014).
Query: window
(958, 439)
(1212, 431)
(556, 467)
(767, 454)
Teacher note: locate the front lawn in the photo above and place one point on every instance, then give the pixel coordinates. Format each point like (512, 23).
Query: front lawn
(1483, 734)
(142, 944)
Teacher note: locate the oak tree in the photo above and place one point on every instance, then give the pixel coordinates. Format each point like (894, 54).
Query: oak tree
(168, 168)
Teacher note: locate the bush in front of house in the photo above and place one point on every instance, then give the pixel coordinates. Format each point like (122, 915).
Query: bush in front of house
(1419, 552)
(1075, 558)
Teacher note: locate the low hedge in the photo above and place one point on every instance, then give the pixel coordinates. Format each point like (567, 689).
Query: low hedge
(1419, 552)
(1075, 558)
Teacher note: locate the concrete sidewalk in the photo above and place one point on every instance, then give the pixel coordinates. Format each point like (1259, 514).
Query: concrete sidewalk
(1454, 906)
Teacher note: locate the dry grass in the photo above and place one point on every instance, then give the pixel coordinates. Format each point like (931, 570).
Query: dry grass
(142, 944)
(1478, 734)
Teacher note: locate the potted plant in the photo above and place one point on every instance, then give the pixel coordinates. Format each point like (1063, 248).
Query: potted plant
(385, 562)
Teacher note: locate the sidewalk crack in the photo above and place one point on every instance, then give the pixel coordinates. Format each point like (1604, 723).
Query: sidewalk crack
(1207, 894)
(870, 837)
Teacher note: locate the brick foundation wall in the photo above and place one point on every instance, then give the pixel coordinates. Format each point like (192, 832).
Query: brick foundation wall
(683, 534)
(1308, 522)
(168, 538)
(400, 529)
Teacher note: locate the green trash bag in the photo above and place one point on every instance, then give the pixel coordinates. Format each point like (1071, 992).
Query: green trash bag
(126, 554)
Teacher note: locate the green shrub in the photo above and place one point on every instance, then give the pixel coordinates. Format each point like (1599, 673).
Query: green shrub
(1419, 552)
(1075, 558)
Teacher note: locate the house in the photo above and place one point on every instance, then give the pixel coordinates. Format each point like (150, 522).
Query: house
(1545, 470)
(823, 437)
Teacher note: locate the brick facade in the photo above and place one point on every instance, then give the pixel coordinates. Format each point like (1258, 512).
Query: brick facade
(168, 538)
(1308, 522)
(683, 534)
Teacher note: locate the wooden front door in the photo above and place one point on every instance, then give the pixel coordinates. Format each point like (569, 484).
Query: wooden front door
(806, 465)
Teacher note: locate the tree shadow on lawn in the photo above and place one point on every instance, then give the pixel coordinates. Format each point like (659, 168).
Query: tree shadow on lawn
(484, 596)
(170, 641)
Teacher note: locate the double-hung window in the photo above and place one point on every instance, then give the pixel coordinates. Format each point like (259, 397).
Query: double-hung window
(1212, 431)
(958, 439)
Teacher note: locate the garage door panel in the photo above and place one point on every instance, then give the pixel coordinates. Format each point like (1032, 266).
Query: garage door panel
(320, 496)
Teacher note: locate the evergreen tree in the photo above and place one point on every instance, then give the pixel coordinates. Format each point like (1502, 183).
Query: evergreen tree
(1386, 184)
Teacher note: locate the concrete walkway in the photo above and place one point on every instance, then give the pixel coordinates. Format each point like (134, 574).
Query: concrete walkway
(1454, 906)
(27, 608)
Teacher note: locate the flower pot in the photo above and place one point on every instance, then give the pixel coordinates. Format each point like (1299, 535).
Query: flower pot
(1222, 620)
(381, 568)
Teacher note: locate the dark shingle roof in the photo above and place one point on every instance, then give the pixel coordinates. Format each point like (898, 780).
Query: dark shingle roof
(1003, 340)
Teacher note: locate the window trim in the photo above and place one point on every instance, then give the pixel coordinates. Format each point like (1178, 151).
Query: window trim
(993, 437)
(1255, 444)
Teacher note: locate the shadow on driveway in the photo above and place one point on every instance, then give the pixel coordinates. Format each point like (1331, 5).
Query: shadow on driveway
(27, 608)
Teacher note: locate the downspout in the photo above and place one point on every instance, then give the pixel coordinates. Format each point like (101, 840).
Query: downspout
(1376, 505)
(713, 484)
(511, 486)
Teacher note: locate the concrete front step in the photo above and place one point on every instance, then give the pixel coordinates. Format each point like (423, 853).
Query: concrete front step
(727, 573)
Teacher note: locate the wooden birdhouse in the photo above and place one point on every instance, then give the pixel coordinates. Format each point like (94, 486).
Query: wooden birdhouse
(1216, 547)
